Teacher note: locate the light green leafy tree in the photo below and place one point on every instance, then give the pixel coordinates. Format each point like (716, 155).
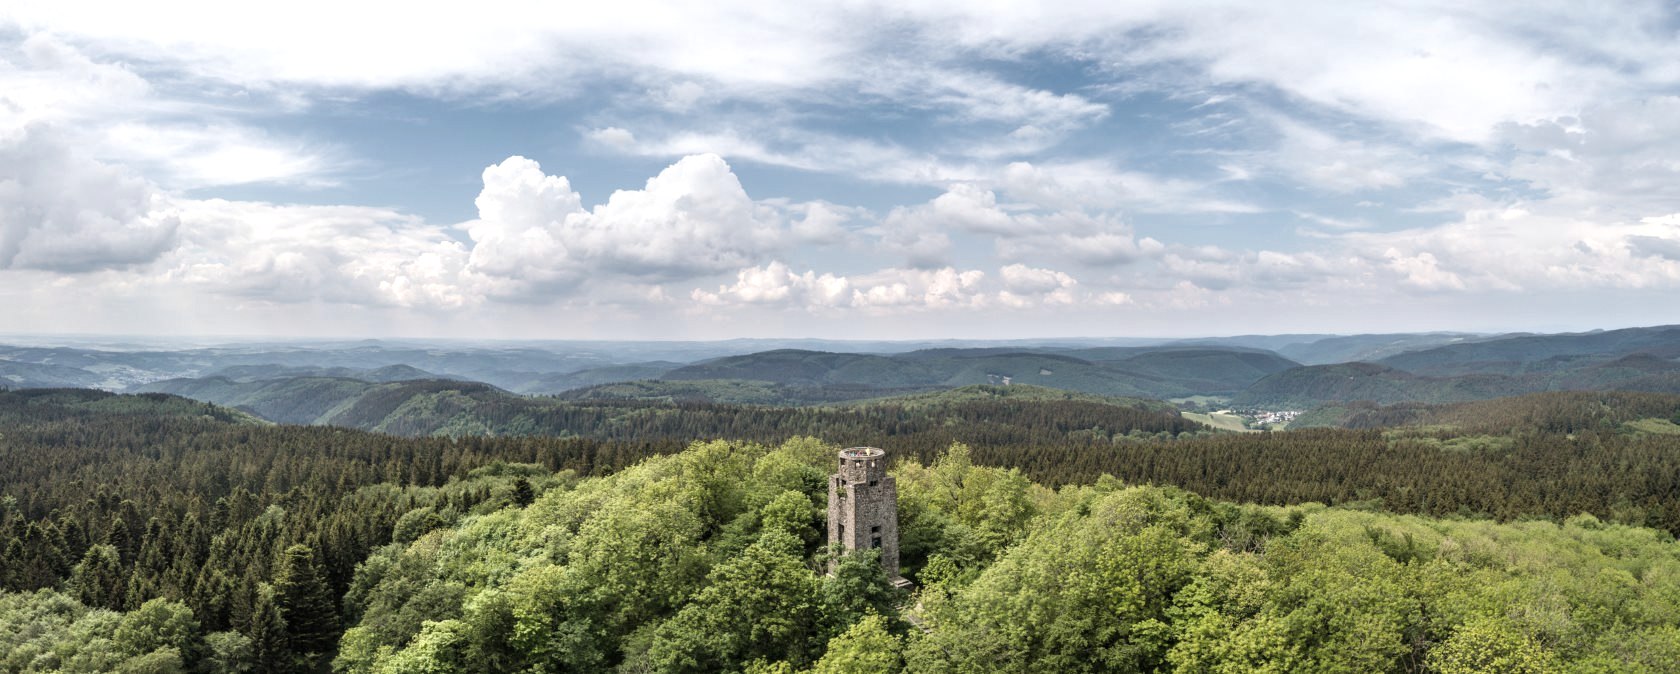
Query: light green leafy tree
(762, 604)
(867, 648)
(1491, 646)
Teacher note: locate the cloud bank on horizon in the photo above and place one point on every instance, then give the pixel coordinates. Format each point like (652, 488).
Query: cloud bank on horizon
(855, 170)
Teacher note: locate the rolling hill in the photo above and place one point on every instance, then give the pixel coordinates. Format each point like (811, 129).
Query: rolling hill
(1113, 371)
(1524, 354)
(453, 408)
(14, 374)
(1314, 385)
(1552, 412)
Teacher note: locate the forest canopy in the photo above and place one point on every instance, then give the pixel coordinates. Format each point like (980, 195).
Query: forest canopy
(156, 534)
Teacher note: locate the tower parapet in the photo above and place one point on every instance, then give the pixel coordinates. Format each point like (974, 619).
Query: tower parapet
(863, 506)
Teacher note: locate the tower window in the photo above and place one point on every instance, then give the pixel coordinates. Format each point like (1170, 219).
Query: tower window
(874, 483)
(875, 529)
(842, 532)
(875, 542)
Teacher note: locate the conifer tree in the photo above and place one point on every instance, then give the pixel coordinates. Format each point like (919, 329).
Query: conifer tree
(522, 492)
(304, 602)
(99, 579)
(119, 538)
(267, 632)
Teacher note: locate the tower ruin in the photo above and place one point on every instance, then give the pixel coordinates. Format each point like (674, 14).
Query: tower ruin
(863, 506)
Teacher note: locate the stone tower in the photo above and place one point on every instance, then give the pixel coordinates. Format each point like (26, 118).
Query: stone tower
(863, 506)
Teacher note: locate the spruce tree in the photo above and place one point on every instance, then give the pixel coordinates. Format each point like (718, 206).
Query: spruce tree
(267, 632)
(99, 579)
(523, 494)
(305, 603)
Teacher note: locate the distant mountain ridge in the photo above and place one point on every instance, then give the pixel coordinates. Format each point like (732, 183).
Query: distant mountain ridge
(1150, 373)
(1255, 370)
(454, 408)
(1314, 385)
(1517, 354)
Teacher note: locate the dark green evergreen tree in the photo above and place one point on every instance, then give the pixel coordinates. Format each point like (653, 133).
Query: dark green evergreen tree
(306, 604)
(99, 580)
(270, 647)
(522, 492)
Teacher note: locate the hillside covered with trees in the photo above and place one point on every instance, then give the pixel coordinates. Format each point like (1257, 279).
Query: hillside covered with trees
(154, 533)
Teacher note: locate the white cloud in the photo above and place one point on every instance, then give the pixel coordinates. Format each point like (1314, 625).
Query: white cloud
(897, 290)
(823, 223)
(1320, 159)
(108, 112)
(1555, 145)
(1023, 279)
(339, 254)
(613, 137)
(920, 233)
(1422, 271)
(693, 219)
(64, 212)
(216, 154)
(1100, 185)
(1027, 286)
(892, 289)
(776, 284)
(520, 236)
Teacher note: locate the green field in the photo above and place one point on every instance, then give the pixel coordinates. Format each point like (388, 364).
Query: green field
(1655, 426)
(1224, 422)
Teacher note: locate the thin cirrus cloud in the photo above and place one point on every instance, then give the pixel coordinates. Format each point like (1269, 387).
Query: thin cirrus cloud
(1101, 166)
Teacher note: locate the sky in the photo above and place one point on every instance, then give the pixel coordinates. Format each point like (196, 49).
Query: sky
(972, 169)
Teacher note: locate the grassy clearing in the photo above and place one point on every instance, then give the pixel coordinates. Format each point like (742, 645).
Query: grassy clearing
(1224, 422)
(1653, 426)
(1204, 401)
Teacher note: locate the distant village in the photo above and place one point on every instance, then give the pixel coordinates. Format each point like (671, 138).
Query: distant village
(1264, 417)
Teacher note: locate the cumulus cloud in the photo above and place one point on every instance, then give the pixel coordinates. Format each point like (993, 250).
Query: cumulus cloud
(821, 222)
(1027, 286)
(883, 291)
(776, 284)
(896, 289)
(900, 290)
(64, 212)
(520, 235)
(692, 219)
(1422, 271)
(1024, 279)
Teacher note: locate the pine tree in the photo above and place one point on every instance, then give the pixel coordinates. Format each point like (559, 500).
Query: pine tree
(305, 603)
